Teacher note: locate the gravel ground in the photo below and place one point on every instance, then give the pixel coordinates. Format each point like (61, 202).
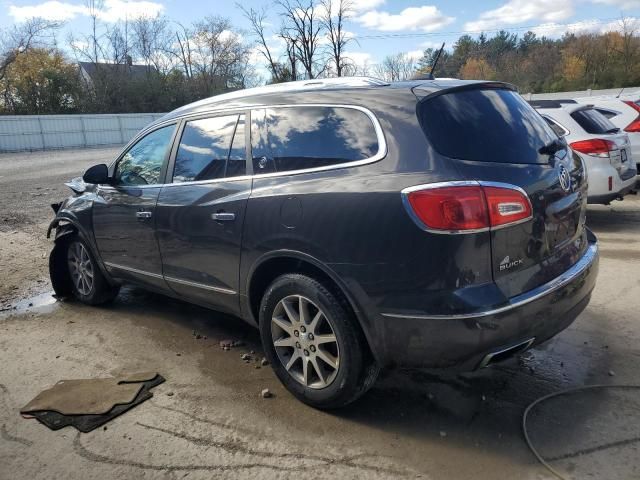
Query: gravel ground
(210, 418)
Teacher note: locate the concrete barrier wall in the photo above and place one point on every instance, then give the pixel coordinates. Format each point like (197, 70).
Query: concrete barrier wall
(47, 132)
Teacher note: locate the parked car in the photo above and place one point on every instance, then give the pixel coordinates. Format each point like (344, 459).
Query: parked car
(604, 147)
(624, 113)
(358, 224)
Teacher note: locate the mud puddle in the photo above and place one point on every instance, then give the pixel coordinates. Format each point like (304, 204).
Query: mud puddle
(42, 303)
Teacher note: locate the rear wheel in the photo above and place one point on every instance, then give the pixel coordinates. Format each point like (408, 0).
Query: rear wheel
(313, 342)
(87, 282)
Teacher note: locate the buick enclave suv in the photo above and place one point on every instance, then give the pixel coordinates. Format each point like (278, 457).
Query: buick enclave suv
(358, 224)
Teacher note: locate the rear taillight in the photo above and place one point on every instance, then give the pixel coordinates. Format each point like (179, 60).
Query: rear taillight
(465, 207)
(597, 147)
(635, 125)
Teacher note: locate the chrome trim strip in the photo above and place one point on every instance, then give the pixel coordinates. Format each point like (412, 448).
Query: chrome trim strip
(517, 348)
(200, 285)
(524, 298)
(382, 144)
(170, 279)
(460, 183)
(132, 270)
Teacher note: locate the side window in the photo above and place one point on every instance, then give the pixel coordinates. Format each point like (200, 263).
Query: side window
(142, 163)
(206, 151)
(302, 137)
(555, 127)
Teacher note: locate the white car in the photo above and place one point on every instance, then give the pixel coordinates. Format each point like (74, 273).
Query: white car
(605, 148)
(624, 113)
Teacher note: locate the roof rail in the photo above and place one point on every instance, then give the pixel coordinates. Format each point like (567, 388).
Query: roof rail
(297, 85)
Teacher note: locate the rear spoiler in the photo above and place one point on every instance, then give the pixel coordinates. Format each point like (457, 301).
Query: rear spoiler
(434, 92)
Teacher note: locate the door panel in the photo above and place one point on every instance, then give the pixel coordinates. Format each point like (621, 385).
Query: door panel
(124, 212)
(200, 215)
(199, 228)
(124, 228)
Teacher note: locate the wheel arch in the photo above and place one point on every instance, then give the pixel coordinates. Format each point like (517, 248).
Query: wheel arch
(66, 226)
(270, 266)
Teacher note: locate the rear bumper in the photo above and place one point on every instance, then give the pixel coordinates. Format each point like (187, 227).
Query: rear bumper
(610, 197)
(463, 341)
(600, 170)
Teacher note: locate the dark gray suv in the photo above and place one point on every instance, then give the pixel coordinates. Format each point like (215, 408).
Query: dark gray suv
(358, 224)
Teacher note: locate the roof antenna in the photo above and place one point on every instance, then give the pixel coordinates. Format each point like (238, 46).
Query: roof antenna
(618, 96)
(435, 62)
(429, 76)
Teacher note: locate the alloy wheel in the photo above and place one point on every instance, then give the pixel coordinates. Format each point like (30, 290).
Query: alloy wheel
(305, 341)
(80, 268)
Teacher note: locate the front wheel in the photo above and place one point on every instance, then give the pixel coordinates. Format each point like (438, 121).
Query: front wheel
(313, 342)
(87, 282)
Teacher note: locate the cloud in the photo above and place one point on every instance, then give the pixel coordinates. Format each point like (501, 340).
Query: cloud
(360, 59)
(53, 10)
(359, 6)
(354, 7)
(113, 11)
(415, 55)
(518, 11)
(622, 4)
(554, 30)
(427, 18)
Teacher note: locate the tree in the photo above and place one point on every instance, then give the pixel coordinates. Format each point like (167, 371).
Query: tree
(257, 19)
(477, 69)
(151, 42)
(34, 33)
(333, 19)
(301, 30)
(395, 68)
(218, 60)
(573, 69)
(41, 81)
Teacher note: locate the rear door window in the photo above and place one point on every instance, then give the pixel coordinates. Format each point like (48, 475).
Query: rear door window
(209, 150)
(592, 121)
(287, 139)
(487, 125)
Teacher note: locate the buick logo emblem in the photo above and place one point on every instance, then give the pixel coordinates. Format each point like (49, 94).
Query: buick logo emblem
(565, 178)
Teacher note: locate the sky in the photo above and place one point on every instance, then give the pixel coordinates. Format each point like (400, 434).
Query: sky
(381, 27)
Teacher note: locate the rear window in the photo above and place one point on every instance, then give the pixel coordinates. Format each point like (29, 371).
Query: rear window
(592, 121)
(286, 139)
(607, 113)
(486, 125)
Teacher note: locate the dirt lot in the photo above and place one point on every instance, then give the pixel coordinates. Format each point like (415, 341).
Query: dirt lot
(209, 419)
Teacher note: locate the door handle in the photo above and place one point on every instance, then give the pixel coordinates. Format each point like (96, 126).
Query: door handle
(143, 214)
(223, 216)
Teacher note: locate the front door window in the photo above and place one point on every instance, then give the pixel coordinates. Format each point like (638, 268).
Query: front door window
(142, 164)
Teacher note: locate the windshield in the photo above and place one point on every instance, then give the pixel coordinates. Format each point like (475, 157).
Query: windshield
(487, 125)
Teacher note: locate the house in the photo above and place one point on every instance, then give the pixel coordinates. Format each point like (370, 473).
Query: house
(92, 72)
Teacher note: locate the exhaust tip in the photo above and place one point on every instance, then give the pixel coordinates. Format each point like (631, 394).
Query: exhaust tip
(504, 353)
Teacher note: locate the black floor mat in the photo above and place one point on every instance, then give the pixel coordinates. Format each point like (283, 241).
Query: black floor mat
(86, 423)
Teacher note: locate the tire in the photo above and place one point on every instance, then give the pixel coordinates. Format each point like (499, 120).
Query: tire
(88, 284)
(328, 339)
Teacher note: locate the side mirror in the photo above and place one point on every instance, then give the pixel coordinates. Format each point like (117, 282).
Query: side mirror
(97, 174)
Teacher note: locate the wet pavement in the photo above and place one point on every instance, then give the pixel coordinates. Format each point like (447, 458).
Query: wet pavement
(209, 418)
